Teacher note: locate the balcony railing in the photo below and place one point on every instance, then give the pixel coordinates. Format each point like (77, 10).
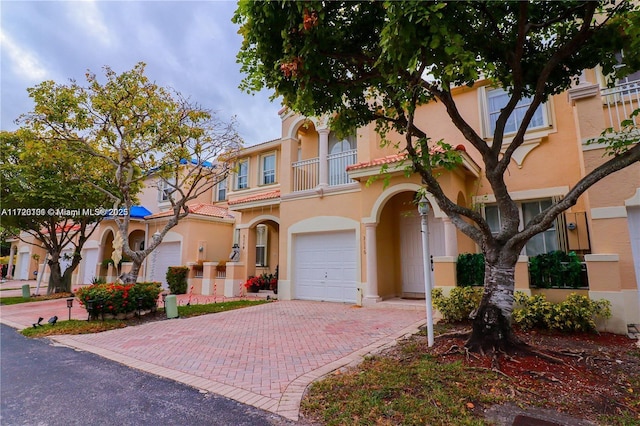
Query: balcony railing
(305, 174)
(619, 102)
(338, 167)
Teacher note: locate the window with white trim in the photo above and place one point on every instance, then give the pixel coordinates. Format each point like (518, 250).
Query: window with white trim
(165, 189)
(541, 243)
(242, 174)
(221, 190)
(261, 245)
(497, 99)
(268, 169)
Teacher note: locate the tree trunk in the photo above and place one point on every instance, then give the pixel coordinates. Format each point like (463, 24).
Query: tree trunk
(56, 284)
(491, 329)
(132, 276)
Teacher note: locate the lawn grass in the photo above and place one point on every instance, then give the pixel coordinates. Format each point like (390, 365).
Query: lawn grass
(14, 300)
(73, 327)
(212, 308)
(87, 327)
(409, 389)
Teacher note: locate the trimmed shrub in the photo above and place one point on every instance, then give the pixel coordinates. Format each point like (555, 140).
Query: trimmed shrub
(555, 269)
(531, 311)
(470, 269)
(576, 313)
(120, 298)
(177, 279)
(460, 303)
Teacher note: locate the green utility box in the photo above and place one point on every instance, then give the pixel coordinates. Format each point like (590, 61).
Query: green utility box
(26, 291)
(171, 306)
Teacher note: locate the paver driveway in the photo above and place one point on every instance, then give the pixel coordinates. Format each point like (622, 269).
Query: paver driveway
(264, 355)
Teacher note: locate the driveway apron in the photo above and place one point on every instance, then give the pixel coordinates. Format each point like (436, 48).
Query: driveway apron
(264, 356)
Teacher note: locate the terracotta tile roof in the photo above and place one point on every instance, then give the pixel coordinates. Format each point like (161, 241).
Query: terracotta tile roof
(378, 162)
(201, 209)
(393, 158)
(258, 197)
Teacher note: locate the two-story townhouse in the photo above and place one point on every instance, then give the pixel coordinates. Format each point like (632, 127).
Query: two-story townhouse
(348, 237)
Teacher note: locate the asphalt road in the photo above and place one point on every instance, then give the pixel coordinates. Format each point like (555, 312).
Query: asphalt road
(41, 384)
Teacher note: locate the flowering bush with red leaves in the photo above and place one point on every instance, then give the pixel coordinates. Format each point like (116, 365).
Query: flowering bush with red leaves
(263, 282)
(120, 298)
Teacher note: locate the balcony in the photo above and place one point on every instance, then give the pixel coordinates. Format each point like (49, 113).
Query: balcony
(619, 102)
(306, 173)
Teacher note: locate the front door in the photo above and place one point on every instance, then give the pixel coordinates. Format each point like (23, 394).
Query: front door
(411, 255)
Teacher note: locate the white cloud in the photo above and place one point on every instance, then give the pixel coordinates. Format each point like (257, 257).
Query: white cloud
(87, 15)
(24, 62)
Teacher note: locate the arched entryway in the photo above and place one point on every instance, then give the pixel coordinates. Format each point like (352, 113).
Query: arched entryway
(106, 244)
(399, 240)
(263, 256)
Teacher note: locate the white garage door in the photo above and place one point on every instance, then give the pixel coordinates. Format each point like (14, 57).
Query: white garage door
(89, 263)
(165, 255)
(22, 267)
(633, 220)
(325, 267)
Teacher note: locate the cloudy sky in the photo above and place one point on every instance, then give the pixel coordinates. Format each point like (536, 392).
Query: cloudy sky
(188, 45)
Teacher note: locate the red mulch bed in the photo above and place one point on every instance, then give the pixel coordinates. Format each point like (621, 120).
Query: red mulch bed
(594, 375)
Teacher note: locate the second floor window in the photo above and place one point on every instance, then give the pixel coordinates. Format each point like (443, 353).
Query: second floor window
(497, 99)
(222, 190)
(242, 176)
(165, 189)
(268, 169)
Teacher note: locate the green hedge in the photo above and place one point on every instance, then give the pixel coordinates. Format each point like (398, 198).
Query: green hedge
(177, 279)
(470, 269)
(555, 269)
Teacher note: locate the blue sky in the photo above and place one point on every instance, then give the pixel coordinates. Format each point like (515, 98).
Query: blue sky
(188, 45)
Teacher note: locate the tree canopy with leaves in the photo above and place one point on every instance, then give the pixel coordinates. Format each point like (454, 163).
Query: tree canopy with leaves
(146, 134)
(364, 62)
(46, 194)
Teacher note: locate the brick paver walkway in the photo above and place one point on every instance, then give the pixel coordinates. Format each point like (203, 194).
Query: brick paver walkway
(264, 355)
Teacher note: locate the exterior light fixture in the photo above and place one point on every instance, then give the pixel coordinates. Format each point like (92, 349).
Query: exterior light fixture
(69, 306)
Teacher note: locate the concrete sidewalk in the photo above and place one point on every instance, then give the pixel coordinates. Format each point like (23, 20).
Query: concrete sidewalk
(264, 356)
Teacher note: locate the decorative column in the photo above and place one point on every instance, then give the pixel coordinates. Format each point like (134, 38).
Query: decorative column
(450, 238)
(12, 254)
(323, 152)
(371, 290)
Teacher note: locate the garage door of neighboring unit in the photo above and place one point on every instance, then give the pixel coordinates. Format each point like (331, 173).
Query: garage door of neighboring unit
(325, 267)
(89, 261)
(166, 254)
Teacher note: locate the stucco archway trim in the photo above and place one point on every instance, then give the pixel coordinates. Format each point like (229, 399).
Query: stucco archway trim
(257, 220)
(386, 195)
(103, 234)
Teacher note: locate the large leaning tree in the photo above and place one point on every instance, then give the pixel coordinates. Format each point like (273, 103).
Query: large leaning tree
(46, 194)
(148, 135)
(365, 62)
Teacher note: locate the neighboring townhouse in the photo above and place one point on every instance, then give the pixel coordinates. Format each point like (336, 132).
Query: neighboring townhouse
(312, 208)
(205, 235)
